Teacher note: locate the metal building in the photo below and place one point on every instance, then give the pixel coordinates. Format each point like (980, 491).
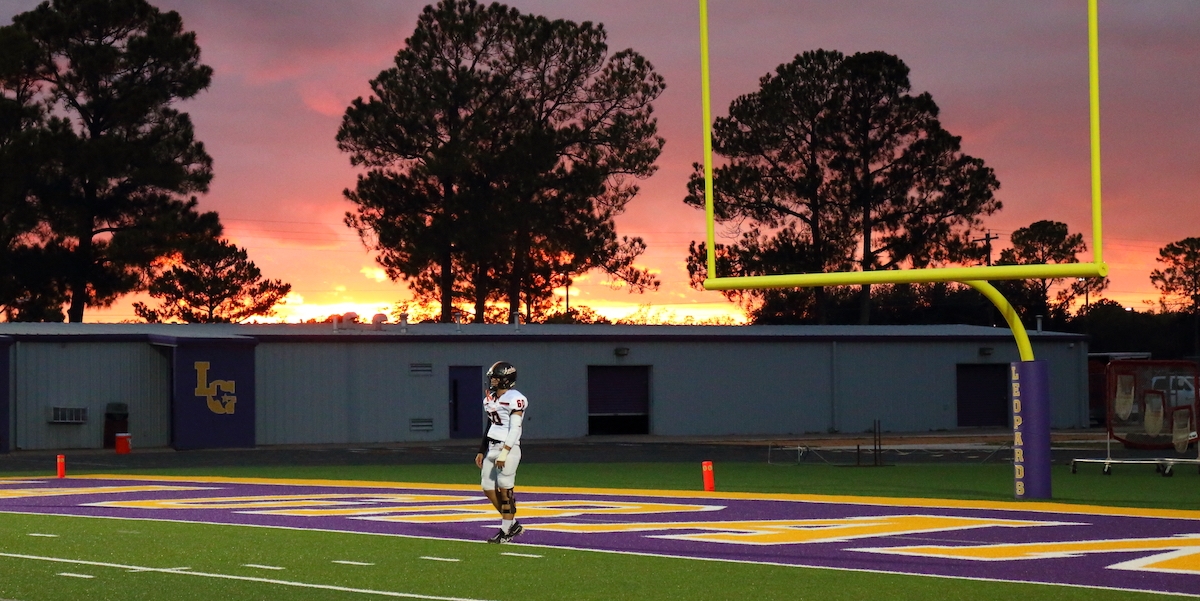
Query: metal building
(198, 386)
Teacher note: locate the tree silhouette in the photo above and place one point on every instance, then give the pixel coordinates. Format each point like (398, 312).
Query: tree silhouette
(1039, 243)
(834, 151)
(115, 163)
(580, 315)
(786, 249)
(1179, 280)
(213, 282)
(499, 149)
(29, 262)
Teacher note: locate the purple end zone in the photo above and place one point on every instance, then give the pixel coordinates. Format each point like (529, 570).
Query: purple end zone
(1148, 568)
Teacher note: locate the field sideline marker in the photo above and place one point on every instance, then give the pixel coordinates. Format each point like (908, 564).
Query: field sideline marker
(261, 567)
(326, 587)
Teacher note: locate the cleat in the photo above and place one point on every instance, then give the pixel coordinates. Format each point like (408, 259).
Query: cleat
(497, 538)
(513, 532)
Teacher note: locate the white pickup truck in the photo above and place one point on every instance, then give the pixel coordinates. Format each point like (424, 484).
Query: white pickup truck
(1180, 391)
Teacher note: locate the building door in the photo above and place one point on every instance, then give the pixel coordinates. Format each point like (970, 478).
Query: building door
(983, 395)
(5, 357)
(618, 399)
(466, 401)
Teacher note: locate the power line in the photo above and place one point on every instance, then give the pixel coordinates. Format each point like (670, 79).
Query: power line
(987, 243)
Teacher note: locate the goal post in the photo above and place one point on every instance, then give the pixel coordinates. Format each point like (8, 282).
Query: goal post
(1096, 268)
(1034, 390)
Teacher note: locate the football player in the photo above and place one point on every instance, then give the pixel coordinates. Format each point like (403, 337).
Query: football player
(500, 450)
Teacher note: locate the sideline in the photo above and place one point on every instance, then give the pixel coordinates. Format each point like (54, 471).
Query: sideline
(185, 572)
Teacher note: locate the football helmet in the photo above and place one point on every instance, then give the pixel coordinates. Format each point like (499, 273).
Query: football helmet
(505, 375)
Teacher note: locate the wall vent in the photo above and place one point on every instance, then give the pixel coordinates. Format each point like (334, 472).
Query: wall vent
(68, 415)
(420, 424)
(420, 369)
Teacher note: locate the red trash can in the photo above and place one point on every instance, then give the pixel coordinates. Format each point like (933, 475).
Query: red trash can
(124, 443)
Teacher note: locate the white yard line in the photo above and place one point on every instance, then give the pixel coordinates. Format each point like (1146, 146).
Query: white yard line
(43, 535)
(521, 555)
(73, 575)
(325, 587)
(439, 558)
(352, 563)
(261, 567)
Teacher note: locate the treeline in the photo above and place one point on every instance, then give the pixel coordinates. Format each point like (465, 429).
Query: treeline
(1166, 333)
(495, 154)
(99, 172)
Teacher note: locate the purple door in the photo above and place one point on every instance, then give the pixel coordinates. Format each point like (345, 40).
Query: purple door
(466, 401)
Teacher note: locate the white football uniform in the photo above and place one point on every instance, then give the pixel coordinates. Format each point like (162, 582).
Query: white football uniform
(499, 414)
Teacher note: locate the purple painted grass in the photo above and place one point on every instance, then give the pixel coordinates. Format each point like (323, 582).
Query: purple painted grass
(1087, 569)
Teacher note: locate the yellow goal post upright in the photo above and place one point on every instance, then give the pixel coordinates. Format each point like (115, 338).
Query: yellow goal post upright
(976, 277)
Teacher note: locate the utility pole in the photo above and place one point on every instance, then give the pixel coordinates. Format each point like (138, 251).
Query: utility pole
(987, 243)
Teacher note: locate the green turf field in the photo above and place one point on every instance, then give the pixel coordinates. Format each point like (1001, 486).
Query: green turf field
(116, 548)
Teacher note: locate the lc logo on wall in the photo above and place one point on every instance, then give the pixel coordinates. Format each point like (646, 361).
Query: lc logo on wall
(207, 412)
(218, 393)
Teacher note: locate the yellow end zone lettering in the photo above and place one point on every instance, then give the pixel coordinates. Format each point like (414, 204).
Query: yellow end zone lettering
(406, 508)
(789, 532)
(277, 501)
(535, 509)
(23, 493)
(1175, 554)
(1182, 561)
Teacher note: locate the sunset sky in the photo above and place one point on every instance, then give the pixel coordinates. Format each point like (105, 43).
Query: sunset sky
(1010, 77)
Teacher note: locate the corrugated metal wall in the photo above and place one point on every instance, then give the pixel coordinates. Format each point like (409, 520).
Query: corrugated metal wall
(736, 387)
(91, 375)
(313, 393)
(392, 389)
(370, 392)
(906, 386)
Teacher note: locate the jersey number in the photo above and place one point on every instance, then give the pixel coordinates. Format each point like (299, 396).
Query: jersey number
(494, 417)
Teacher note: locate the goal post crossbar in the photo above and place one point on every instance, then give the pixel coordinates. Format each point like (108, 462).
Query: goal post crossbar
(1096, 268)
